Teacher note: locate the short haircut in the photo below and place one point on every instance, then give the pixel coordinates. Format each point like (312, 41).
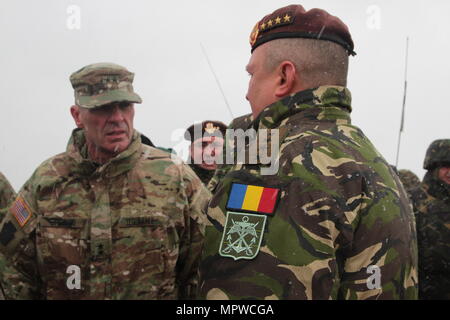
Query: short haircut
(319, 62)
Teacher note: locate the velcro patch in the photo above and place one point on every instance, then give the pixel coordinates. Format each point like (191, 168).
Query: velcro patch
(58, 222)
(126, 222)
(21, 211)
(251, 198)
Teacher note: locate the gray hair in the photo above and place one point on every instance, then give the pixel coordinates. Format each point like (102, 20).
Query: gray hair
(319, 62)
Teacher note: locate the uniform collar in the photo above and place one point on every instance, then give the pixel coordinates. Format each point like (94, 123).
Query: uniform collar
(322, 103)
(124, 161)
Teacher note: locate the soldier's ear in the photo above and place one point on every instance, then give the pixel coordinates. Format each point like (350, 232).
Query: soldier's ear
(76, 115)
(286, 79)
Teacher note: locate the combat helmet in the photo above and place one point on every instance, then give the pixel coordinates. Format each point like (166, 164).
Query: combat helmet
(438, 154)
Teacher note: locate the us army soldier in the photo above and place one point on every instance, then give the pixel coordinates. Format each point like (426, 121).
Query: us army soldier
(334, 221)
(431, 200)
(110, 218)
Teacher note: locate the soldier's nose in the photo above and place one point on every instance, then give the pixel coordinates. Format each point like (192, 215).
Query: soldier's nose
(116, 114)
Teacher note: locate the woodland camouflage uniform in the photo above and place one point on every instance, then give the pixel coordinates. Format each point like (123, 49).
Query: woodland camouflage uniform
(341, 209)
(333, 222)
(431, 200)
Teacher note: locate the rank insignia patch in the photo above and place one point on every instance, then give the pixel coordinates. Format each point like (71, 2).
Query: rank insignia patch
(252, 198)
(242, 235)
(21, 211)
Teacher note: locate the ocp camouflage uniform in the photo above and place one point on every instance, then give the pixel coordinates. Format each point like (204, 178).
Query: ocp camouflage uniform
(7, 193)
(7, 196)
(341, 213)
(431, 202)
(133, 226)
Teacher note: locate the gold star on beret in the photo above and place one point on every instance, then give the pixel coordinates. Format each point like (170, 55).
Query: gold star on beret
(294, 21)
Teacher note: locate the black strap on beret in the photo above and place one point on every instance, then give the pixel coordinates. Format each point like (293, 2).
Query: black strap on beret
(307, 35)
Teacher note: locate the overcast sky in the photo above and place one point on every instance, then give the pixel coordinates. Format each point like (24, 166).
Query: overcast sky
(43, 42)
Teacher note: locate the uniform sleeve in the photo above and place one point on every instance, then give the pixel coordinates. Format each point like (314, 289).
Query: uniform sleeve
(191, 242)
(18, 267)
(355, 221)
(380, 261)
(7, 193)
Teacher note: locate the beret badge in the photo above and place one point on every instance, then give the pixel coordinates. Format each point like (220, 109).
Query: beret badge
(254, 35)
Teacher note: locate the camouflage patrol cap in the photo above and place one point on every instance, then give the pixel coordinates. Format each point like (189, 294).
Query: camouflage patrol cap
(102, 83)
(438, 154)
(295, 22)
(208, 128)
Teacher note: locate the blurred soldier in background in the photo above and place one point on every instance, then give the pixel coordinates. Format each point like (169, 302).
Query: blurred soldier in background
(431, 202)
(242, 122)
(206, 147)
(409, 179)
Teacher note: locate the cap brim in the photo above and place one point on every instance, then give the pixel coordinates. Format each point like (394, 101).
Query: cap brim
(107, 98)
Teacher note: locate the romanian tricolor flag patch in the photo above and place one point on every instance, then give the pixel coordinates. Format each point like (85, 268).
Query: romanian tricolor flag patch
(252, 198)
(21, 211)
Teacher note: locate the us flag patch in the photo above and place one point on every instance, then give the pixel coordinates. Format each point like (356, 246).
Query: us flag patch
(21, 211)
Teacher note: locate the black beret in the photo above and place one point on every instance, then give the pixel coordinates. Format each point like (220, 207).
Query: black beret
(208, 128)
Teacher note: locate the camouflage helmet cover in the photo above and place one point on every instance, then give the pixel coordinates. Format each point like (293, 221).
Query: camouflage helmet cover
(438, 154)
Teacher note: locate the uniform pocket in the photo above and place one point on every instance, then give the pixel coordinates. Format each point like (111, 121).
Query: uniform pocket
(62, 244)
(63, 239)
(140, 245)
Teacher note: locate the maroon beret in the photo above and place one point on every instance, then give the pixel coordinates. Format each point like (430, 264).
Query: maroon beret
(295, 22)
